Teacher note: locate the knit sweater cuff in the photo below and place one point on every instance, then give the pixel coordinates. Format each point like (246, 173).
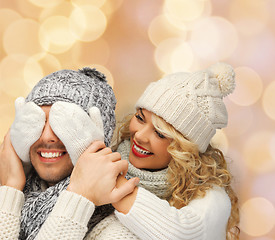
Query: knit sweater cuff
(73, 206)
(11, 200)
(140, 208)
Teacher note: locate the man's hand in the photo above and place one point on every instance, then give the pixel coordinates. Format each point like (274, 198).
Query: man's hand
(95, 175)
(11, 168)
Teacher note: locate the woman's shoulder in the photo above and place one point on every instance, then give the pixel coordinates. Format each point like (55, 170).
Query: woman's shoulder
(214, 210)
(215, 197)
(214, 207)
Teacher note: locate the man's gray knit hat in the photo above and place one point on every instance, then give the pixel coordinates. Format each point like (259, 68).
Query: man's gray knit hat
(86, 88)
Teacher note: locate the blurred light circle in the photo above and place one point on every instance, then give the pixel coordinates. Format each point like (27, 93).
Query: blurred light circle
(249, 17)
(28, 10)
(32, 72)
(256, 152)
(240, 120)
(55, 35)
(249, 87)
(6, 119)
(160, 29)
(258, 217)
(263, 238)
(182, 58)
(12, 75)
(271, 146)
(21, 37)
(47, 62)
(63, 9)
(96, 3)
(46, 4)
(111, 7)
(268, 100)
(81, 52)
(220, 141)
(214, 38)
(261, 186)
(244, 26)
(87, 23)
(163, 53)
(183, 10)
(7, 16)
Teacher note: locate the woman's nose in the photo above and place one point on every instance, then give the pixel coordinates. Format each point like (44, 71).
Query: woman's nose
(142, 134)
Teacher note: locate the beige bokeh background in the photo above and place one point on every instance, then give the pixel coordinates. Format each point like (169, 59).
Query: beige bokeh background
(136, 42)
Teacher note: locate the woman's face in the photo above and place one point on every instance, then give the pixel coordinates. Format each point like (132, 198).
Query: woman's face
(148, 146)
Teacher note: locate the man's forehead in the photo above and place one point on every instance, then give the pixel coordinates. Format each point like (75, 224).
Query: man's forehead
(46, 108)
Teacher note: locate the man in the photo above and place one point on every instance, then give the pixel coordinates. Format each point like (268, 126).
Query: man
(68, 114)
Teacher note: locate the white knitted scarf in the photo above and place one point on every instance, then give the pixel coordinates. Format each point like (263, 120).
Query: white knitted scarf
(155, 182)
(39, 204)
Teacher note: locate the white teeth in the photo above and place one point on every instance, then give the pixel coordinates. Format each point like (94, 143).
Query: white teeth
(141, 150)
(51, 154)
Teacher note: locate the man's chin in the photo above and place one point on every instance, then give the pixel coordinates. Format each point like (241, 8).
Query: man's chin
(52, 180)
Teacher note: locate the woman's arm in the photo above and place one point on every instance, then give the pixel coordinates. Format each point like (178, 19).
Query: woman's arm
(153, 218)
(125, 204)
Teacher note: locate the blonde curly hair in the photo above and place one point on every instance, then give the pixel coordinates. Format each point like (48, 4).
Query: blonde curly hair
(191, 173)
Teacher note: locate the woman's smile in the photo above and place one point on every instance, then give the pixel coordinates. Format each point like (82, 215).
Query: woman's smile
(140, 151)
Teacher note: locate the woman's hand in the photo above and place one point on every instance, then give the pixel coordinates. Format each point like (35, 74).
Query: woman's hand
(95, 175)
(11, 168)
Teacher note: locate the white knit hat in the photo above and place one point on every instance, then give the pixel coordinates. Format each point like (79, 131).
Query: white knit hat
(192, 102)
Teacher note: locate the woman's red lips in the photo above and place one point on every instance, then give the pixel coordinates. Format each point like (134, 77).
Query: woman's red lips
(140, 151)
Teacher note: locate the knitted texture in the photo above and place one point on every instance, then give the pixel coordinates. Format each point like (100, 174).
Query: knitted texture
(11, 201)
(110, 228)
(86, 88)
(155, 182)
(202, 219)
(27, 127)
(192, 102)
(75, 128)
(39, 204)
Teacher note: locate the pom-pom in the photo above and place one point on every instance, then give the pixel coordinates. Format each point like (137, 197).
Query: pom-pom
(225, 75)
(92, 72)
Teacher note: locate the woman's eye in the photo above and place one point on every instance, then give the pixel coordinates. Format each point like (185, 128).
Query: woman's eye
(159, 134)
(139, 117)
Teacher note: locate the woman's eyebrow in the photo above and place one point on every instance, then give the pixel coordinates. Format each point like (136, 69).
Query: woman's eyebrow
(141, 112)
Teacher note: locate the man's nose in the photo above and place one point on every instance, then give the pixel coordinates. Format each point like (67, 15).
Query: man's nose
(48, 135)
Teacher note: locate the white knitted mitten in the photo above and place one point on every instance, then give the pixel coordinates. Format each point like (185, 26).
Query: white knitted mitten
(73, 126)
(27, 127)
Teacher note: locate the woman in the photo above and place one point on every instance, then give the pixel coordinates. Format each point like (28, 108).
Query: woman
(184, 190)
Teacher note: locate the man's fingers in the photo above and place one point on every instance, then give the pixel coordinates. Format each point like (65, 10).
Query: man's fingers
(125, 189)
